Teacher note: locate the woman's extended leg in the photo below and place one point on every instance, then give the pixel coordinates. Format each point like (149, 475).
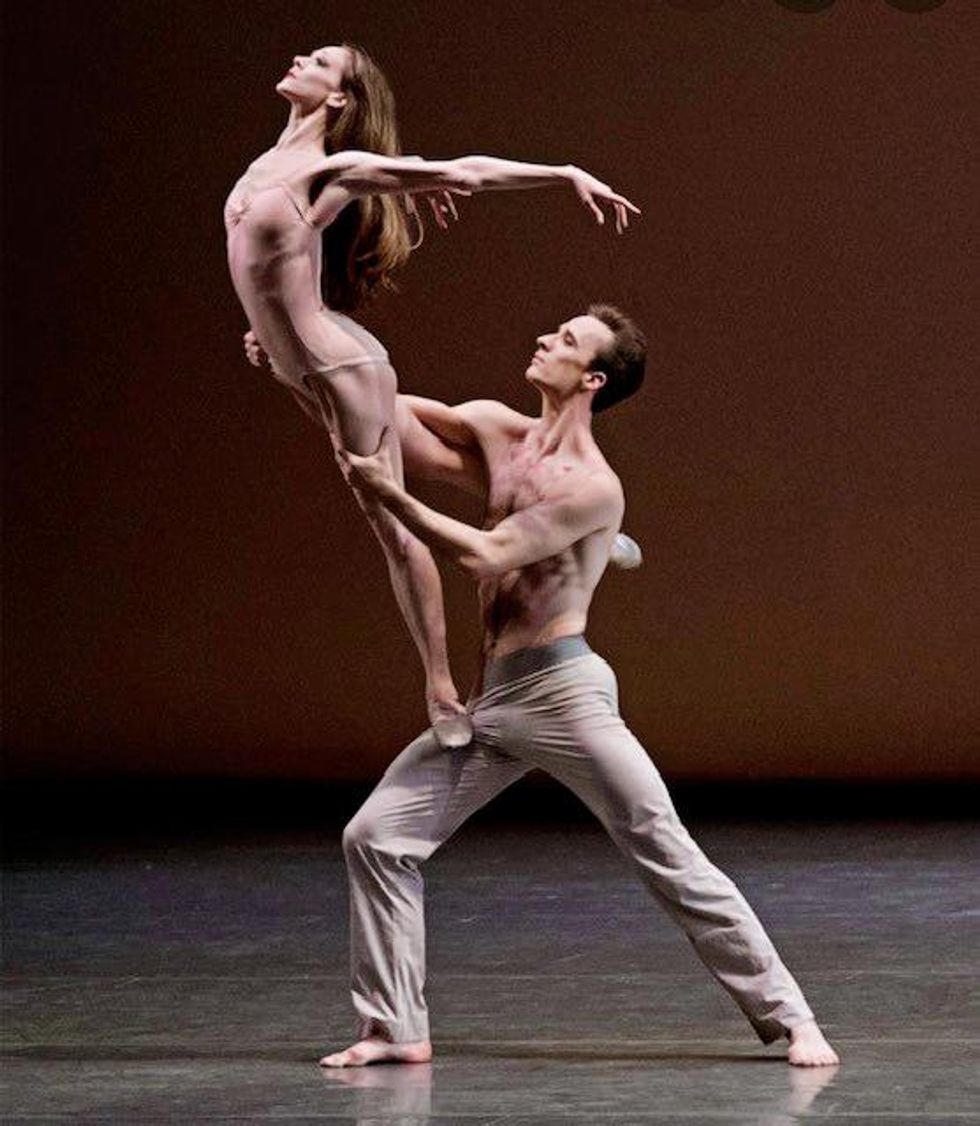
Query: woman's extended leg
(358, 404)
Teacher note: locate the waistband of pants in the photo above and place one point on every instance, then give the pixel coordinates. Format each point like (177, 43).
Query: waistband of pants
(522, 662)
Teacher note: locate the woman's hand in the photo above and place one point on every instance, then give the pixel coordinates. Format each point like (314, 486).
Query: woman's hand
(589, 189)
(442, 203)
(254, 352)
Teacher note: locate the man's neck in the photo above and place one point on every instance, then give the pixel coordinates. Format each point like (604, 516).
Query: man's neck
(565, 427)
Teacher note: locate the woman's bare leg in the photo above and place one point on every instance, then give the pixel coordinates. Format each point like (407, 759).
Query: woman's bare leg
(358, 404)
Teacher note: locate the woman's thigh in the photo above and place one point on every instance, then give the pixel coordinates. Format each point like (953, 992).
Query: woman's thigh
(358, 404)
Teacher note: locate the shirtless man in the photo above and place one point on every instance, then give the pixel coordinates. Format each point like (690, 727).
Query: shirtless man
(546, 700)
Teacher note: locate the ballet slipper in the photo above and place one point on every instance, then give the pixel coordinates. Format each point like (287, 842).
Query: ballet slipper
(625, 553)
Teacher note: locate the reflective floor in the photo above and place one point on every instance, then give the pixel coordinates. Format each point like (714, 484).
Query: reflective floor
(198, 982)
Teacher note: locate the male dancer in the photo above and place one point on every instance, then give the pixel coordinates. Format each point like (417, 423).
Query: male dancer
(553, 509)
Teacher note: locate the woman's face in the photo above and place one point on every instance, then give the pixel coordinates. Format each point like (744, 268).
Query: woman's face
(317, 78)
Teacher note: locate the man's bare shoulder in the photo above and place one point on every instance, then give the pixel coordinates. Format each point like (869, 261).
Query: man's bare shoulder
(594, 482)
(490, 417)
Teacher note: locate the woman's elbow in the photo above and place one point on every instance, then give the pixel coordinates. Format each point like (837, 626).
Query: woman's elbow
(355, 170)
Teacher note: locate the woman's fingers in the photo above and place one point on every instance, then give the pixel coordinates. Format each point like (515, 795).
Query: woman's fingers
(621, 208)
(443, 207)
(439, 211)
(625, 202)
(622, 218)
(596, 209)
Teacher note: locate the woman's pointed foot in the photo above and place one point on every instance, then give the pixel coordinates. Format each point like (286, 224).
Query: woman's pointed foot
(451, 724)
(625, 552)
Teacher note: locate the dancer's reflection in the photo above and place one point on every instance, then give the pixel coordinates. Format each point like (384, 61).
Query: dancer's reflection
(397, 1096)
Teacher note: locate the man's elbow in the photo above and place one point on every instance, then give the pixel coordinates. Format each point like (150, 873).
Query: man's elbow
(482, 562)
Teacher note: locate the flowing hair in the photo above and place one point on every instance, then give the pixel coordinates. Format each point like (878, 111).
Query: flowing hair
(369, 239)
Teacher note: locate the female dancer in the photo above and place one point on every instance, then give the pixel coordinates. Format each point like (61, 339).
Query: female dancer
(327, 193)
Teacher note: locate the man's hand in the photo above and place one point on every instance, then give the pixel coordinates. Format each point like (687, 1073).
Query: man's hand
(370, 473)
(254, 352)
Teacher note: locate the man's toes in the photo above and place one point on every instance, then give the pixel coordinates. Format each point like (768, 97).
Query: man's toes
(340, 1059)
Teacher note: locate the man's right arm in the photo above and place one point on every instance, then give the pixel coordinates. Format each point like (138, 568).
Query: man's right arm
(457, 445)
(479, 424)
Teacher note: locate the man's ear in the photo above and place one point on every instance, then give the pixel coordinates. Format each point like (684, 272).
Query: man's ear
(337, 99)
(594, 380)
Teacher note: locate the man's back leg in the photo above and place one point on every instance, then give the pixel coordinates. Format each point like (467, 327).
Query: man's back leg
(422, 799)
(598, 758)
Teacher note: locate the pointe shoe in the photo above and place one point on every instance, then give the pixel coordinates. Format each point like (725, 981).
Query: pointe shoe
(451, 729)
(625, 553)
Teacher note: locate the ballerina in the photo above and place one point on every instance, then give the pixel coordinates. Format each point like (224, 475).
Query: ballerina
(327, 209)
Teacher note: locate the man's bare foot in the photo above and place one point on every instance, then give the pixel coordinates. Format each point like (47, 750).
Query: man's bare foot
(375, 1049)
(808, 1048)
(450, 723)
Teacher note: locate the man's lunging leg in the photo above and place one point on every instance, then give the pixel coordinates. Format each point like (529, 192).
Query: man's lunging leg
(424, 796)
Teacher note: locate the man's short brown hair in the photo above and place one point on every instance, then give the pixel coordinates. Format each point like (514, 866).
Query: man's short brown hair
(623, 361)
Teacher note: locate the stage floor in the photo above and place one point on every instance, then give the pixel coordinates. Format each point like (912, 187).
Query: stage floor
(198, 981)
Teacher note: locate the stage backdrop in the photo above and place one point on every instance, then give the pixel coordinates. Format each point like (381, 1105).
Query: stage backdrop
(189, 588)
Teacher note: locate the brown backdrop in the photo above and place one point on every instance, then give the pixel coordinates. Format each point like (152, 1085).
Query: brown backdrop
(188, 587)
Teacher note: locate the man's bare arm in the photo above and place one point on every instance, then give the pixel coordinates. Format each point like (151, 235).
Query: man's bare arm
(436, 454)
(470, 425)
(535, 533)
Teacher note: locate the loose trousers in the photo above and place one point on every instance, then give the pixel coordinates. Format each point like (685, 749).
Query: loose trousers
(564, 718)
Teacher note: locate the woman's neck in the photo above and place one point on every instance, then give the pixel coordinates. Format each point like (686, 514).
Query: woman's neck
(304, 129)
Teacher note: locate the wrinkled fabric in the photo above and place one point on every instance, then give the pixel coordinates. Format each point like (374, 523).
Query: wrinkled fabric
(564, 719)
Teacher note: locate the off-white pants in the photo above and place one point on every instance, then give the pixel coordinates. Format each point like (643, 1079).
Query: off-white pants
(562, 717)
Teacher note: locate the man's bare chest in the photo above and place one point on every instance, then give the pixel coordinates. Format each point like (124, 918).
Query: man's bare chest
(523, 479)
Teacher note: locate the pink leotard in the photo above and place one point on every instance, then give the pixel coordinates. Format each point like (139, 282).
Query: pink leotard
(274, 255)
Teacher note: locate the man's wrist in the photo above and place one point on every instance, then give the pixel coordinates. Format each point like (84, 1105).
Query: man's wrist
(387, 490)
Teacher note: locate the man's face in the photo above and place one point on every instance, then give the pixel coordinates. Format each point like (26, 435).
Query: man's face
(564, 357)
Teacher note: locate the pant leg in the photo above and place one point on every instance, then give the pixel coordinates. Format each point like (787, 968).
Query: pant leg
(575, 733)
(423, 797)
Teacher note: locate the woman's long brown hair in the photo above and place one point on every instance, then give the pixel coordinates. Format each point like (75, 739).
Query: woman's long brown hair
(369, 239)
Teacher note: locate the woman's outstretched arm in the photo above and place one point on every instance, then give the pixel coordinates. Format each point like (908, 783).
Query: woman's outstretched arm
(352, 174)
